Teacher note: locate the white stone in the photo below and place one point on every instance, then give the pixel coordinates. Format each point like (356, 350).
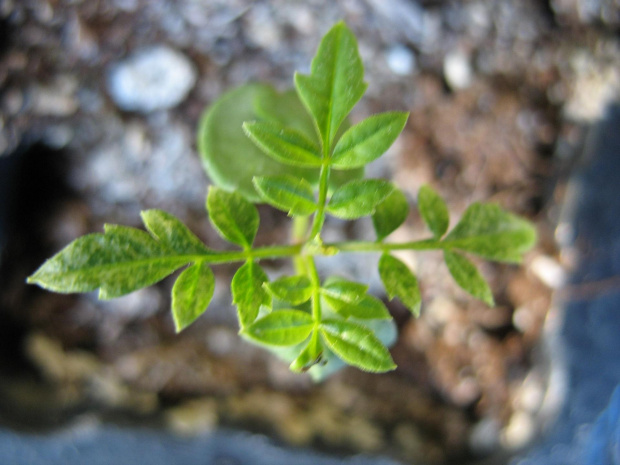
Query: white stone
(152, 79)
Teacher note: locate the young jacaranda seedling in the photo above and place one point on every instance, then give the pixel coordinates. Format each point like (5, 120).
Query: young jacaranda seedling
(303, 157)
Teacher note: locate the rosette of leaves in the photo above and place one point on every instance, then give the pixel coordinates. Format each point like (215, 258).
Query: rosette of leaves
(296, 152)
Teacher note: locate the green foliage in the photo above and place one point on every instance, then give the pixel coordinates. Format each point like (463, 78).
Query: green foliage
(293, 195)
(301, 156)
(490, 232)
(359, 198)
(335, 84)
(434, 211)
(284, 145)
(390, 214)
(117, 262)
(400, 282)
(282, 328)
(248, 292)
(356, 345)
(468, 277)
(191, 294)
(232, 160)
(232, 216)
(293, 289)
(368, 140)
(341, 294)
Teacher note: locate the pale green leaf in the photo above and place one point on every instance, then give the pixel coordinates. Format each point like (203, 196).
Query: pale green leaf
(292, 289)
(234, 218)
(335, 83)
(390, 214)
(286, 109)
(356, 345)
(368, 308)
(118, 262)
(248, 292)
(231, 160)
(368, 140)
(434, 211)
(400, 282)
(191, 294)
(488, 231)
(293, 195)
(468, 277)
(281, 328)
(359, 198)
(284, 145)
(339, 292)
(171, 232)
(311, 355)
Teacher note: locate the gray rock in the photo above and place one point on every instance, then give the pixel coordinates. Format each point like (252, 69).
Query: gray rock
(154, 78)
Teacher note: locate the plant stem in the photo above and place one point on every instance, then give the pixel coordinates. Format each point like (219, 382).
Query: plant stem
(295, 251)
(319, 216)
(316, 287)
(298, 235)
(300, 229)
(215, 257)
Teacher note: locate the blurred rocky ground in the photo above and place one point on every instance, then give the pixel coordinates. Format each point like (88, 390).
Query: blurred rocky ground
(110, 93)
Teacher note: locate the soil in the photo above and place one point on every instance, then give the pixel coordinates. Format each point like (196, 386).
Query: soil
(470, 379)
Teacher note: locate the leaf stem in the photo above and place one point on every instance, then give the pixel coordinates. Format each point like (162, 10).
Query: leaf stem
(367, 246)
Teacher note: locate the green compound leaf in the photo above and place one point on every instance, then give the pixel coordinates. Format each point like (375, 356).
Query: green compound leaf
(248, 292)
(191, 294)
(359, 198)
(234, 218)
(356, 345)
(171, 232)
(292, 289)
(335, 83)
(490, 232)
(281, 328)
(231, 160)
(293, 195)
(390, 214)
(468, 277)
(287, 110)
(284, 145)
(368, 140)
(368, 308)
(340, 293)
(400, 282)
(310, 355)
(118, 262)
(434, 211)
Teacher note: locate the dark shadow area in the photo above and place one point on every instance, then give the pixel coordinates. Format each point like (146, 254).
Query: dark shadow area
(33, 187)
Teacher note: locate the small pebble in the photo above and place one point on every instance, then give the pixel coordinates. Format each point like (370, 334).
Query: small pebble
(401, 60)
(549, 271)
(519, 432)
(154, 78)
(457, 70)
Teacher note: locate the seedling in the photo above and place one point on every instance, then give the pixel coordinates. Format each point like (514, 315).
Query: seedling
(303, 157)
